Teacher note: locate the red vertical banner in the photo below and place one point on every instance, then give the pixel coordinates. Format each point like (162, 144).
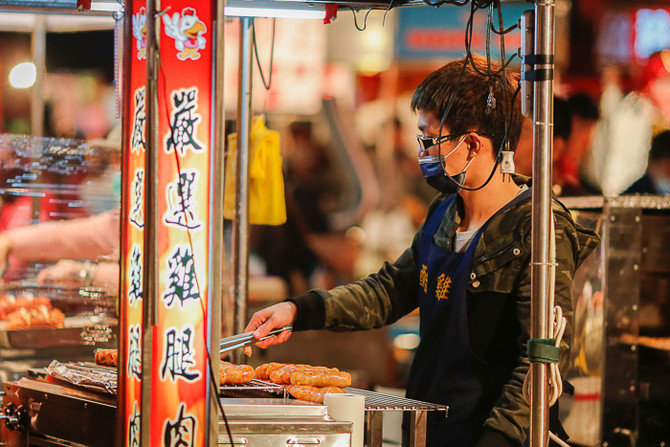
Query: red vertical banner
(180, 374)
(132, 221)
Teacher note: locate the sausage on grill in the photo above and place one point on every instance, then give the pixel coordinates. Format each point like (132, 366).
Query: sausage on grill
(231, 374)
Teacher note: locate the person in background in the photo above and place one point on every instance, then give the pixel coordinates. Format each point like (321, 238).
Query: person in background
(564, 172)
(584, 116)
(309, 176)
(656, 179)
(523, 156)
(89, 239)
(467, 269)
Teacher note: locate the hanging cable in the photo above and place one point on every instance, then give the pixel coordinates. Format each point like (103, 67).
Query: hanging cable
(267, 84)
(180, 190)
(365, 18)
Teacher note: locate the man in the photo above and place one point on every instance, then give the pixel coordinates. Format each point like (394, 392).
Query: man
(584, 116)
(657, 178)
(467, 268)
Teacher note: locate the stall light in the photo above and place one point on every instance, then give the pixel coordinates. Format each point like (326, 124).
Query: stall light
(271, 9)
(23, 75)
(106, 6)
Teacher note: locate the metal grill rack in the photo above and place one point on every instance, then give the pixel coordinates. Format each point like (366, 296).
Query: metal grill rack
(375, 401)
(378, 403)
(255, 388)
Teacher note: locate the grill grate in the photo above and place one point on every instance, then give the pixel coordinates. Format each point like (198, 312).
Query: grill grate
(255, 388)
(375, 401)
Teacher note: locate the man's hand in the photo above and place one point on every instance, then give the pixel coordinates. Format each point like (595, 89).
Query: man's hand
(273, 317)
(5, 249)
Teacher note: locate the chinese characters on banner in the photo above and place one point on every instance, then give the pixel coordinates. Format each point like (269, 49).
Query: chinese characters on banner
(132, 258)
(179, 381)
(179, 387)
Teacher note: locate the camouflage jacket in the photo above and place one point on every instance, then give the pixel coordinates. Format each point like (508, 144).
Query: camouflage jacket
(498, 297)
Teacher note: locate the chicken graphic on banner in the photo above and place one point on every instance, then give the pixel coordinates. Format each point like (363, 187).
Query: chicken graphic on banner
(140, 33)
(187, 32)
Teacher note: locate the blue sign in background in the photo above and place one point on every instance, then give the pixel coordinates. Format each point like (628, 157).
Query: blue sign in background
(439, 33)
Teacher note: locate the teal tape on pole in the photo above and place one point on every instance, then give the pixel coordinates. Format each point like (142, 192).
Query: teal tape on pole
(542, 350)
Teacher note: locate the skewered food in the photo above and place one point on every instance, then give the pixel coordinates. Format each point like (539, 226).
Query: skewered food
(282, 375)
(263, 371)
(35, 318)
(311, 393)
(321, 377)
(232, 374)
(10, 303)
(107, 357)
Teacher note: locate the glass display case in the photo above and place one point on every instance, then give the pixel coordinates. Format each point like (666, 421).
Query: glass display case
(61, 315)
(620, 356)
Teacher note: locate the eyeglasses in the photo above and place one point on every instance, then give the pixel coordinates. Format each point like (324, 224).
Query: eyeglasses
(425, 143)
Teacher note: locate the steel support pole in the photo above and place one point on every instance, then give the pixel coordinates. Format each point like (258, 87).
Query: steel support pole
(151, 223)
(39, 49)
(542, 264)
(216, 249)
(240, 236)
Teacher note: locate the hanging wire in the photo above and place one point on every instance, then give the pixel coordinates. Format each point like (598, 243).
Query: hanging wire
(390, 6)
(267, 84)
(489, 73)
(365, 18)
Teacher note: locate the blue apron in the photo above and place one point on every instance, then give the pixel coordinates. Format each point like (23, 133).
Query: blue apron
(444, 370)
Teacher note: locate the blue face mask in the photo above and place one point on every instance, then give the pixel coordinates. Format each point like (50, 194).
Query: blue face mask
(432, 171)
(436, 176)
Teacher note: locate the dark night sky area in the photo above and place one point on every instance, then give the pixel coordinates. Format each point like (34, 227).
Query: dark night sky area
(81, 51)
(89, 50)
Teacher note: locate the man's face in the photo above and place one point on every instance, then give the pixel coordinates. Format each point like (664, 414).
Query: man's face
(429, 127)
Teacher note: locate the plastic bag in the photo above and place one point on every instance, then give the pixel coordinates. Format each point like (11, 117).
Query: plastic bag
(267, 204)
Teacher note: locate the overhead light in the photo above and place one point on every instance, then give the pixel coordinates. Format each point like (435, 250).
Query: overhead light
(286, 10)
(23, 75)
(106, 6)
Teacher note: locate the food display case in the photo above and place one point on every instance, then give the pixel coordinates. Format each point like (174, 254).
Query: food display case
(620, 358)
(45, 180)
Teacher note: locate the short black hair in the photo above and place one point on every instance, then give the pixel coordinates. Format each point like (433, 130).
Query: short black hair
(468, 90)
(660, 146)
(562, 118)
(583, 106)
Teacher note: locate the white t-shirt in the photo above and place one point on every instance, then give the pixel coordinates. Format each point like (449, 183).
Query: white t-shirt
(463, 238)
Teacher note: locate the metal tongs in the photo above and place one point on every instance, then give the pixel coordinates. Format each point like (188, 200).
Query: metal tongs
(246, 338)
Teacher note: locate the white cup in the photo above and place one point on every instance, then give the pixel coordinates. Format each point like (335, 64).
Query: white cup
(348, 408)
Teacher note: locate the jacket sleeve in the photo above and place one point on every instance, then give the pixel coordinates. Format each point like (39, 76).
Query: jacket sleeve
(508, 422)
(377, 300)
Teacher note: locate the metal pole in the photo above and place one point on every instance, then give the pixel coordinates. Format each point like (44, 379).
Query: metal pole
(241, 223)
(542, 265)
(217, 169)
(123, 93)
(151, 223)
(39, 48)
